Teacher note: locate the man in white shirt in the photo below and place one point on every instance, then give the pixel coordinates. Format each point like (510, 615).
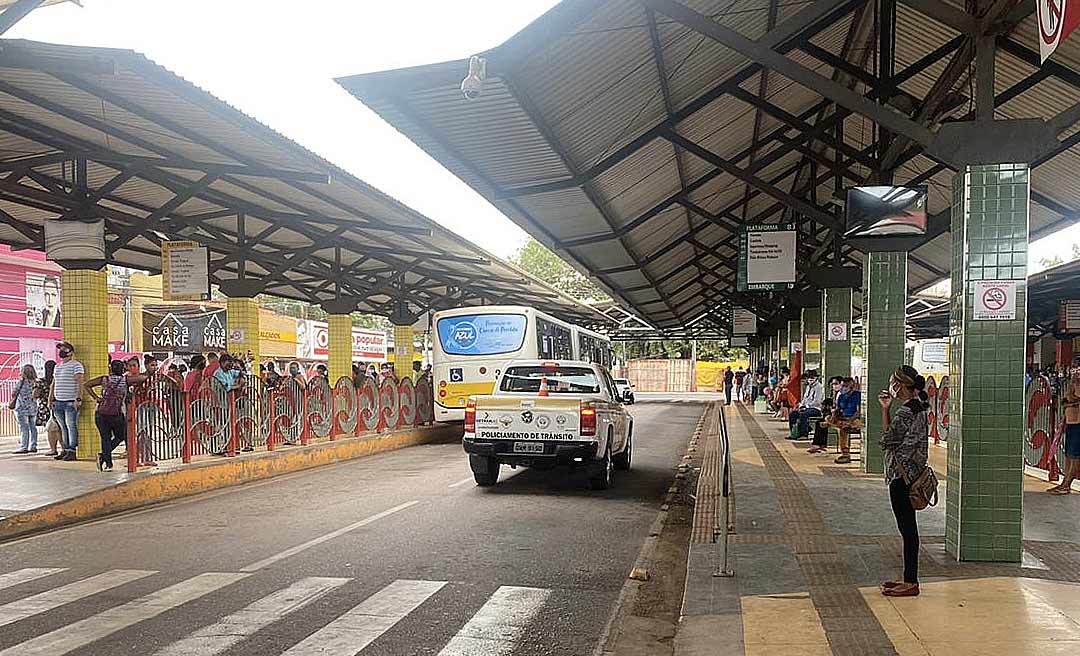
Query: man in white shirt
(809, 406)
(66, 399)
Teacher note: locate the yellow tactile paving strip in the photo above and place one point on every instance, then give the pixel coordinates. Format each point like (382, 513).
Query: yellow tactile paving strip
(778, 625)
(1000, 615)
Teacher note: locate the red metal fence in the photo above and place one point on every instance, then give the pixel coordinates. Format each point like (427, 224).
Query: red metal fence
(165, 423)
(1044, 427)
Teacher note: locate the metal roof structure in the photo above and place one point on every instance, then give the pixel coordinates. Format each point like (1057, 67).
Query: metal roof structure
(102, 133)
(635, 137)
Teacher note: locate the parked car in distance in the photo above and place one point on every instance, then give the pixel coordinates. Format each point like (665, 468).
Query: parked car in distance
(624, 389)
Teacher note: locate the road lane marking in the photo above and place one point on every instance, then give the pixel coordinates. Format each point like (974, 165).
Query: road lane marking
(368, 620)
(462, 482)
(497, 627)
(222, 635)
(79, 634)
(50, 599)
(20, 576)
(257, 565)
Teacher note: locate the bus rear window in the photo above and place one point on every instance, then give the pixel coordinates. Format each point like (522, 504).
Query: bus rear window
(481, 334)
(560, 380)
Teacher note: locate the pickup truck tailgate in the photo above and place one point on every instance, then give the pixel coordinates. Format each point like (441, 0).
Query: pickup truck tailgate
(527, 418)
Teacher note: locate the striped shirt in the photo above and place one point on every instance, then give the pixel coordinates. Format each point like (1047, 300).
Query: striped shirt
(64, 386)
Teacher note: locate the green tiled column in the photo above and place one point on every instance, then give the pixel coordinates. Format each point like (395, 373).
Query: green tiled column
(984, 502)
(794, 336)
(884, 305)
(836, 353)
(811, 338)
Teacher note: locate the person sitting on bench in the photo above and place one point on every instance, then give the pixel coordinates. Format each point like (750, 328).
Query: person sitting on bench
(809, 406)
(849, 404)
(832, 414)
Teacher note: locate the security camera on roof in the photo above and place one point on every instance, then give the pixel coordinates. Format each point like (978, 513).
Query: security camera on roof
(473, 84)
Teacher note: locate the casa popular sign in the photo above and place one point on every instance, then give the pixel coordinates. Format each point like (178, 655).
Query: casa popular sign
(313, 342)
(995, 300)
(767, 257)
(1057, 19)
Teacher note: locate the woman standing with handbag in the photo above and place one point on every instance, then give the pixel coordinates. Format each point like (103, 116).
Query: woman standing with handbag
(22, 402)
(904, 442)
(43, 392)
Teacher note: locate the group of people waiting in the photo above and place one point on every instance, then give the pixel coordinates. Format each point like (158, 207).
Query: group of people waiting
(55, 400)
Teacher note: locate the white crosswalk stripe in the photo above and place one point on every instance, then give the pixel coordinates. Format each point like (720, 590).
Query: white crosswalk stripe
(498, 626)
(222, 635)
(18, 577)
(86, 631)
(368, 620)
(496, 629)
(50, 599)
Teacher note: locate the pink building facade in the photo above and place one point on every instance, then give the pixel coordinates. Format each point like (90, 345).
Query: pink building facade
(30, 309)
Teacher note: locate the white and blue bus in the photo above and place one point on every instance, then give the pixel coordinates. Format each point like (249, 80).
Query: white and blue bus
(473, 345)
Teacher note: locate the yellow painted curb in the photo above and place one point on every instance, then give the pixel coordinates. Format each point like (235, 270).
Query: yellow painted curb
(154, 487)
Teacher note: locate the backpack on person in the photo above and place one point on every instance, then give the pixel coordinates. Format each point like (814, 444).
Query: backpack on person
(113, 394)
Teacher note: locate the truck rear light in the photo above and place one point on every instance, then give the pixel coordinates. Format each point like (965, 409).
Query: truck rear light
(442, 383)
(550, 365)
(442, 394)
(483, 370)
(470, 416)
(588, 420)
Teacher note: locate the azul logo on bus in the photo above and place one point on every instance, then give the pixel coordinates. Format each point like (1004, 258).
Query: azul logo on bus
(465, 335)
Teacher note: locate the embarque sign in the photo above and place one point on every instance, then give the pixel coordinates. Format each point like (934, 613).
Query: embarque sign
(767, 257)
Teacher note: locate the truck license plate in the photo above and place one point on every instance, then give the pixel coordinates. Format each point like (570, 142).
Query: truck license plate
(528, 447)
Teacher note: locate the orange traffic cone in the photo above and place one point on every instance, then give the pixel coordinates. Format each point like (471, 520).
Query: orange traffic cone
(543, 386)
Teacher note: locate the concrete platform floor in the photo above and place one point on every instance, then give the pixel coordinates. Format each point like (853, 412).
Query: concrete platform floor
(814, 539)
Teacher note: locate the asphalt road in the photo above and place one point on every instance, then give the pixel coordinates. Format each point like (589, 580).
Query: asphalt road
(395, 554)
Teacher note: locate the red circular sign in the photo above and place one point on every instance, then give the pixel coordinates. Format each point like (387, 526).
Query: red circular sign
(838, 330)
(994, 299)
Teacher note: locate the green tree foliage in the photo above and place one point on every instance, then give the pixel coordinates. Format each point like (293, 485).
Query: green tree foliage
(1057, 260)
(537, 260)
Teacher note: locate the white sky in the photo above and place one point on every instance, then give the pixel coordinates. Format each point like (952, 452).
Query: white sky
(276, 60)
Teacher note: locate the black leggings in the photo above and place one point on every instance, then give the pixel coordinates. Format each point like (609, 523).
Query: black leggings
(909, 529)
(113, 429)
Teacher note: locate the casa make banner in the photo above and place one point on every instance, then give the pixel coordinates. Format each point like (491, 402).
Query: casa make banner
(767, 257)
(1057, 19)
(313, 342)
(184, 328)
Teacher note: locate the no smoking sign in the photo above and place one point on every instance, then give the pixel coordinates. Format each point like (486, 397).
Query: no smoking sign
(995, 300)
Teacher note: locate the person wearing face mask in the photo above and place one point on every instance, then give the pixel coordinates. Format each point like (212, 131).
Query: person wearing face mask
(828, 406)
(904, 443)
(67, 398)
(808, 407)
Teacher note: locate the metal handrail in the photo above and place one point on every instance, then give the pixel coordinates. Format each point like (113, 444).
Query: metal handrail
(722, 568)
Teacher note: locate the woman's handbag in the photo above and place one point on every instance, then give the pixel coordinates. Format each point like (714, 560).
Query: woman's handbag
(923, 490)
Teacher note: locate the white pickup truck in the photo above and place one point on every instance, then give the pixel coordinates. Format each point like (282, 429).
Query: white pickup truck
(544, 414)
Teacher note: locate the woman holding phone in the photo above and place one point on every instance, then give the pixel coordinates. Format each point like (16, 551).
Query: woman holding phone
(904, 442)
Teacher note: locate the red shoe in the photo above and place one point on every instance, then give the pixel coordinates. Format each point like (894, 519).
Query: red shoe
(902, 590)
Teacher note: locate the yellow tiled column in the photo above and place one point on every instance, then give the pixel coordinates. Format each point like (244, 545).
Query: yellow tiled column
(86, 325)
(403, 351)
(243, 329)
(340, 347)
